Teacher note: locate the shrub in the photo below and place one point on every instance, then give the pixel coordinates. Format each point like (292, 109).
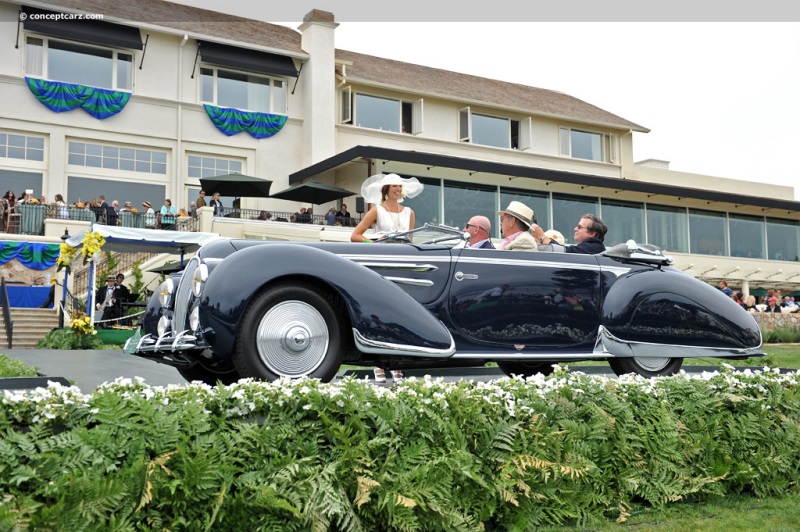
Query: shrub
(784, 334)
(510, 454)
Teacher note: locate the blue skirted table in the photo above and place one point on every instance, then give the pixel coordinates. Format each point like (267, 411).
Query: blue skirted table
(27, 296)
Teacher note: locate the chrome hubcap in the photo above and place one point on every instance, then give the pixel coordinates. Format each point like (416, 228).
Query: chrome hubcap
(652, 363)
(292, 339)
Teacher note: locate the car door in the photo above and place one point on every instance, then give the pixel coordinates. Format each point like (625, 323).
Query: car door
(522, 298)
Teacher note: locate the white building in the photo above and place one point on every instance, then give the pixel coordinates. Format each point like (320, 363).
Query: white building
(152, 78)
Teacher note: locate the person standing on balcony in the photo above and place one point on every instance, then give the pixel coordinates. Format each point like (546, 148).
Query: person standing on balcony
(217, 204)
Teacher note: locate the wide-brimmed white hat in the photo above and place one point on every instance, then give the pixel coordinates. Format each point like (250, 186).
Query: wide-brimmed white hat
(520, 211)
(371, 188)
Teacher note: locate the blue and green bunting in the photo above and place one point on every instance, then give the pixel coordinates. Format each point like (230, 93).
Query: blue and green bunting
(232, 121)
(60, 97)
(32, 255)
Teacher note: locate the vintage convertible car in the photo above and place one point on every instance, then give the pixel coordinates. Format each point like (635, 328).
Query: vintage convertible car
(244, 308)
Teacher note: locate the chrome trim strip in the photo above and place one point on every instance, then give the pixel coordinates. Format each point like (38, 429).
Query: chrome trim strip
(512, 355)
(395, 258)
(408, 280)
(365, 345)
(607, 343)
(400, 266)
(616, 270)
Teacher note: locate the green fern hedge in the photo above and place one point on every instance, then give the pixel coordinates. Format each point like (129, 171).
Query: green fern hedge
(301, 455)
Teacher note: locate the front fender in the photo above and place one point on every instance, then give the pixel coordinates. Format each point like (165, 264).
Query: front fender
(668, 307)
(384, 318)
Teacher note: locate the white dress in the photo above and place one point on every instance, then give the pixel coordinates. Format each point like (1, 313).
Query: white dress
(390, 222)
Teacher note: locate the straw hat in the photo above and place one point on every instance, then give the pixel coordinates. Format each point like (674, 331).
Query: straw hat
(555, 235)
(520, 211)
(371, 189)
(146, 204)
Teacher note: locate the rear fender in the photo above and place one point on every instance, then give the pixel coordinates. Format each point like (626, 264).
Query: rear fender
(670, 308)
(384, 318)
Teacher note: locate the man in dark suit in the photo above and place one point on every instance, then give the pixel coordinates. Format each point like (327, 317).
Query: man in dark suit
(479, 229)
(104, 300)
(343, 216)
(589, 235)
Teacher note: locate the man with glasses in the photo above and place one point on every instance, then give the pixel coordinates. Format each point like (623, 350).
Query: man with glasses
(589, 235)
(479, 229)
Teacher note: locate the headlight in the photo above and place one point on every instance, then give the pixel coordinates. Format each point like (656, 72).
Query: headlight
(194, 319)
(165, 292)
(164, 326)
(199, 279)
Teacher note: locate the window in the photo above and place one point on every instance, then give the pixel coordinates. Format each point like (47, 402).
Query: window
(567, 212)
(117, 158)
(747, 236)
(783, 239)
(625, 221)
(708, 232)
(239, 90)
(209, 166)
(667, 228)
(384, 114)
(21, 147)
(587, 145)
(83, 189)
(465, 200)
(81, 64)
(488, 130)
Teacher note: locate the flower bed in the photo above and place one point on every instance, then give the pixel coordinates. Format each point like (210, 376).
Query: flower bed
(509, 454)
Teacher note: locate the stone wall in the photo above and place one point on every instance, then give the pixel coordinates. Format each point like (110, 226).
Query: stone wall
(770, 321)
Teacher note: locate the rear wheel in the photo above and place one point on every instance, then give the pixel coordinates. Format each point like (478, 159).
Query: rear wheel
(646, 366)
(289, 331)
(526, 369)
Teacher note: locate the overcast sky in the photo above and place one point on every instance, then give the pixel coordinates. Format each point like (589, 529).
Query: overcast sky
(719, 98)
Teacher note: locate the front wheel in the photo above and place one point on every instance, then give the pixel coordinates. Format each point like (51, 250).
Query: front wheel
(289, 331)
(223, 372)
(526, 369)
(646, 366)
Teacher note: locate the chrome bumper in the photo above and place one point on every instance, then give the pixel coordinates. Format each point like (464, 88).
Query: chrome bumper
(168, 342)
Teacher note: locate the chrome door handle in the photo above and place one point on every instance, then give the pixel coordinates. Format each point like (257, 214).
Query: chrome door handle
(460, 276)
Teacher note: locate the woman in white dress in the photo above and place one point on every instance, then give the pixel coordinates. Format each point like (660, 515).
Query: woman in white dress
(386, 193)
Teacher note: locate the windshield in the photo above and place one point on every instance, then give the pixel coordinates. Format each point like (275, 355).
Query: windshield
(427, 234)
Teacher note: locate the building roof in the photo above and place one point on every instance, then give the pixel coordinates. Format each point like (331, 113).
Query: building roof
(371, 70)
(426, 80)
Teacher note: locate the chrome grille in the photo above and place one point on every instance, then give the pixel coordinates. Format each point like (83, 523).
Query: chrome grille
(183, 295)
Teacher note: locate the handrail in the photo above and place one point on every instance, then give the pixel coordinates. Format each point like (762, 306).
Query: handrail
(6, 312)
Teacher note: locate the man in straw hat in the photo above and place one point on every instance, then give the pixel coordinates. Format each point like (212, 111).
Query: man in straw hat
(149, 215)
(515, 221)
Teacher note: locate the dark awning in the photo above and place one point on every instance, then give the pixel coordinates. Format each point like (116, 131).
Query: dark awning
(88, 31)
(421, 164)
(245, 59)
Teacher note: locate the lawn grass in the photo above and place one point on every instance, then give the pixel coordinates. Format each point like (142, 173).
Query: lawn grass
(739, 512)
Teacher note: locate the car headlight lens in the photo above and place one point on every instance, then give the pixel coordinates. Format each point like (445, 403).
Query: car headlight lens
(199, 279)
(194, 319)
(165, 293)
(164, 326)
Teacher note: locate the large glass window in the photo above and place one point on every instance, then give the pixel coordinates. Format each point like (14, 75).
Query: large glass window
(117, 158)
(71, 62)
(465, 200)
(625, 221)
(21, 147)
(667, 228)
(747, 236)
(84, 189)
(427, 205)
(538, 201)
(567, 212)
(582, 144)
(783, 239)
(708, 232)
(240, 90)
(211, 166)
